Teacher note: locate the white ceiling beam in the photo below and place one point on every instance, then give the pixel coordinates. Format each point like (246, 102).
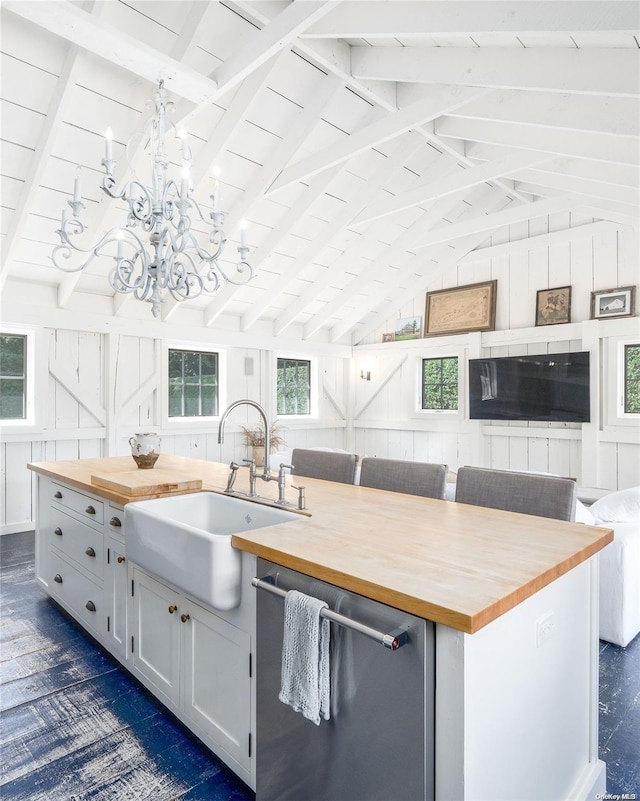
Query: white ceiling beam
(378, 269)
(592, 113)
(56, 112)
(383, 130)
(614, 174)
(529, 243)
(458, 179)
(598, 147)
(608, 210)
(66, 20)
(270, 243)
(579, 186)
(334, 56)
(489, 222)
(592, 71)
(403, 152)
(414, 275)
(406, 20)
(278, 34)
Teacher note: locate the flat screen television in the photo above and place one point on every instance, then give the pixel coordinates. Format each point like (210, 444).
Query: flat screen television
(551, 387)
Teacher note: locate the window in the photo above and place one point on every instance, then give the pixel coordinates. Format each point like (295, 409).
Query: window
(293, 386)
(632, 379)
(440, 384)
(13, 377)
(193, 383)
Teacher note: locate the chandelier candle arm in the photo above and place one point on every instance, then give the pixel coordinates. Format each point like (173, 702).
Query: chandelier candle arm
(172, 260)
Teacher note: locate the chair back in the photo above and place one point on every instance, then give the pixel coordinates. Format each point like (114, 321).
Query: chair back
(330, 466)
(413, 478)
(528, 493)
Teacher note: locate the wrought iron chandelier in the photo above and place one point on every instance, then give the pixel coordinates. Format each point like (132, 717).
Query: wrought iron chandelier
(172, 260)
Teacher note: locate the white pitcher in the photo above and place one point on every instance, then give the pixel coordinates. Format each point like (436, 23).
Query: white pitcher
(145, 449)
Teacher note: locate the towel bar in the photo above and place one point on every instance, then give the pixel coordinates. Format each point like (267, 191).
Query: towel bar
(393, 640)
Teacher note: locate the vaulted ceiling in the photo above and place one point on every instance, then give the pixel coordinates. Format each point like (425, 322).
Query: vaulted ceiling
(370, 145)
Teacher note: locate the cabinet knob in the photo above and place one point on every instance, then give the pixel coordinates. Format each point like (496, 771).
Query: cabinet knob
(57, 531)
(90, 606)
(184, 618)
(115, 522)
(90, 510)
(172, 609)
(120, 560)
(58, 578)
(58, 494)
(90, 551)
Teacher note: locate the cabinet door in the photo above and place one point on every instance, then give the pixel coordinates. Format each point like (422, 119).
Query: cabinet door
(155, 632)
(116, 596)
(217, 681)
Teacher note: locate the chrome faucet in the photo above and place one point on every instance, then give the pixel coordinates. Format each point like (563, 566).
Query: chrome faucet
(267, 438)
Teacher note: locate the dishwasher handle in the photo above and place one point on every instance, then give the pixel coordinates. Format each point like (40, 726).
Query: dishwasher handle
(391, 640)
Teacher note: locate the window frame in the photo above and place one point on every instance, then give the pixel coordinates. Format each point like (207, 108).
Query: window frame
(29, 420)
(613, 383)
(313, 387)
(417, 411)
(441, 358)
(172, 422)
(622, 368)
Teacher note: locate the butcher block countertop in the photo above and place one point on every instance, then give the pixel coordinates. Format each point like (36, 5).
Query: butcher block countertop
(458, 565)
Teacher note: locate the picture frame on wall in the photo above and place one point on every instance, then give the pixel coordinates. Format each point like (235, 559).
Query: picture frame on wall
(553, 306)
(462, 309)
(388, 337)
(606, 303)
(407, 328)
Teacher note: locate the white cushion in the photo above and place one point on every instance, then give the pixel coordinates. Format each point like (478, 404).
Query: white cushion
(584, 515)
(618, 507)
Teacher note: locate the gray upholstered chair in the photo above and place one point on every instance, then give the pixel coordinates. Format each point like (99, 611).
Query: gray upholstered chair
(414, 478)
(528, 493)
(330, 466)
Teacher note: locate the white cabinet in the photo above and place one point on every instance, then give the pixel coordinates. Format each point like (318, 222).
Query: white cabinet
(71, 556)
(196, 662)
(116, 582)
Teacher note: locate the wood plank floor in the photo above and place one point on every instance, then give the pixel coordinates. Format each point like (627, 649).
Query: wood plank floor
(76, 726)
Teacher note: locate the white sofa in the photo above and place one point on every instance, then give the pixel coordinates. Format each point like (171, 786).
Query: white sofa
(619, 563)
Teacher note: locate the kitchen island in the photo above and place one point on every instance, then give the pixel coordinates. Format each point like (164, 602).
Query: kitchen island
(513, 599)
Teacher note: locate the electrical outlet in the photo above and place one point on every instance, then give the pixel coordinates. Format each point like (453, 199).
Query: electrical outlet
(545, 628)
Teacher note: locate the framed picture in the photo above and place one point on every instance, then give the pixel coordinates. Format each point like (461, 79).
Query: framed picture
(388, 337)
(613, 302)
(408, 328)
(463, 309)
(553, 306)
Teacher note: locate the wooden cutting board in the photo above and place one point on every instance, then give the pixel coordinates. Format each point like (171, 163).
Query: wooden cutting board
(147, 482)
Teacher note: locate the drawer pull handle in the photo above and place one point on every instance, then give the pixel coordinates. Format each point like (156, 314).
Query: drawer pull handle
(115, 522)
(90, 551)
(90, 510)
(58, 578)
(58, 494)
(120, 560)
(90, 606)
(57, 531)
(184, 618)
(172, 609)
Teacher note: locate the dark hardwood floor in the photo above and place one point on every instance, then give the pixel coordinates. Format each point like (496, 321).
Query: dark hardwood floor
(74, 725)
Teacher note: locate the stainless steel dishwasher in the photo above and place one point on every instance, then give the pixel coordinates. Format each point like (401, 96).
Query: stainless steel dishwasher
(378, 744)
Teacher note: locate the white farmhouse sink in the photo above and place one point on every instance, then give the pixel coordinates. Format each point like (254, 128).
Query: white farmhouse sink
(186, 540)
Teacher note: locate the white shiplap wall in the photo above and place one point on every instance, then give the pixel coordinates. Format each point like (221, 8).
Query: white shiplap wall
(602, 453)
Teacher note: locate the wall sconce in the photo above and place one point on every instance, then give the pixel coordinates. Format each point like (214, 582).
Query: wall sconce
(365, 375)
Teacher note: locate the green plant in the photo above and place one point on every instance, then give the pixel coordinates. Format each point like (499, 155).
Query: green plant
(254, 437)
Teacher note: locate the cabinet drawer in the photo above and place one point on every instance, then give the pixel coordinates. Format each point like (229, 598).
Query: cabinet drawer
(78, 541)
(78, 593)
(88, 507)
(115, 521)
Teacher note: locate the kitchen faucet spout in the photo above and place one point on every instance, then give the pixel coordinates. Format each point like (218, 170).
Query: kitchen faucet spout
(265, 422)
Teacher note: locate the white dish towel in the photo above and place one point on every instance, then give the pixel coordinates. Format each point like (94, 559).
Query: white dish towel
(305, 679)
